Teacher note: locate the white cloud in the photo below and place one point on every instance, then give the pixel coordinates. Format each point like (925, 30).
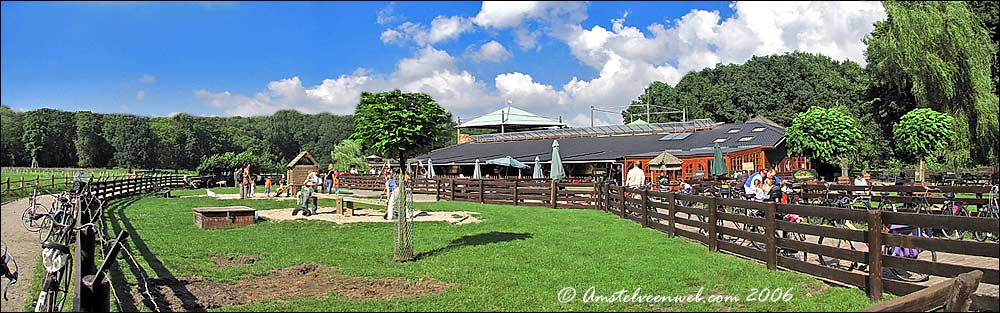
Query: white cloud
(146, 78)
(442, 29)
(491, 51)
(387, 15)
(429, 71)
(626, 57)
(140, 95)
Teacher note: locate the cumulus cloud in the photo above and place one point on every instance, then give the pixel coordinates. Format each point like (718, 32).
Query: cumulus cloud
(429, 71)
(146, 78)
(491, 51)
(625, 57)
(441, 29)
(387, 15)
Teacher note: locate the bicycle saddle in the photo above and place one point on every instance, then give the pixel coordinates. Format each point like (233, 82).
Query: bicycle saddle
(949, 196)
(57, 246)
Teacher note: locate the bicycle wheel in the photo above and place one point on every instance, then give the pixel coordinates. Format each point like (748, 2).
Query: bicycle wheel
(990, 212)
(837, 243)
(902, 274)
(791, 253)
(33, 217)
(953, 210)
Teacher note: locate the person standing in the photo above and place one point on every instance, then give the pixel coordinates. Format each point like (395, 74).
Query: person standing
(390, 194)
(267, 187)
(328, 178)
(238, 181)
(636, 177)
(336, 182)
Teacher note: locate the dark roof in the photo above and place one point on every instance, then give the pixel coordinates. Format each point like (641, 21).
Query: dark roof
(598, 131)
(589, 149)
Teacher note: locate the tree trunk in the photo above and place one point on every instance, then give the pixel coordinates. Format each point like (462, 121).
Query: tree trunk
(403, 251)
(844, 166)
(920, 171)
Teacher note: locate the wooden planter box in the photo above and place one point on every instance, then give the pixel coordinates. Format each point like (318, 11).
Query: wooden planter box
(221, 217)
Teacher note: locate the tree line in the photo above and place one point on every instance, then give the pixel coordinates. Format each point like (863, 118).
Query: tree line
(936, 55)
(57, 138)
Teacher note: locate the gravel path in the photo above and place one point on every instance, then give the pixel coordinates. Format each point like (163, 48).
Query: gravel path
(25, 249)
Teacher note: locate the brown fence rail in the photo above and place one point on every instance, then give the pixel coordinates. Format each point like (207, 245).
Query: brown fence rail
(729, 228)
(532, 192)
(8, 185)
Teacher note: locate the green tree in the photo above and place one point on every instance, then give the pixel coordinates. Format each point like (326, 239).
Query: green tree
(49, 137)
(11, 147)
(347, 154)
(923, 132)
(827, 135)
(400, 125)
(91, 148)
(774, 86)
(132, 139)
(943, 55)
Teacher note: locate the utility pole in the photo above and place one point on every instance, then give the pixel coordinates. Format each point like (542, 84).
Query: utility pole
(591, 116)
(685, 116)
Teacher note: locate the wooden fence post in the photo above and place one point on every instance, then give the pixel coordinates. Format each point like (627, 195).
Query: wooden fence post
(645, 208)
(515, 192)
(770, 240)
(555, 192)
(875, 255)
(671, 217)
(621, 212)
(481, 198)
(713, 237)
(52, 181)
(20, 183)
(8, 185)
(437, 190)
(452, 183)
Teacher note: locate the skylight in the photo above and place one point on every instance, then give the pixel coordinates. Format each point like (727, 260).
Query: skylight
(675, 136)
(757, 129)
(734, 130)
(720, 140)
(746, 138)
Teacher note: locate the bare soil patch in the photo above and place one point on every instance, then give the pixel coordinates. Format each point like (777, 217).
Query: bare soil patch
(308, 280)
(230, 259)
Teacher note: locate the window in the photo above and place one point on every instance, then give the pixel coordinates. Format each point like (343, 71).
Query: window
(757, 129)
(746, 138)
(734, 130)
(720, 140)
(675, 136)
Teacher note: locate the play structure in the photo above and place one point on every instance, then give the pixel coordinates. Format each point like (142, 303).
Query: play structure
(298, 170)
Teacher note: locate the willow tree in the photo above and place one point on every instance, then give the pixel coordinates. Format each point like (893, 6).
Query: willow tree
(942, 54)
(401, 125)
(347, 155)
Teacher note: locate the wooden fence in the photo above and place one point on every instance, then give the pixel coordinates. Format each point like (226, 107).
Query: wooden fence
(50, 182)
(533, 192)
(659, 210)
(897, 194)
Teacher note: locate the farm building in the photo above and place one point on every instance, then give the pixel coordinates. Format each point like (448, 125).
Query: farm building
(593, 151)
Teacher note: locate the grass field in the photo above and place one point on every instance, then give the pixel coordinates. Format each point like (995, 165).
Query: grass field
(44, 175)
(518, 258)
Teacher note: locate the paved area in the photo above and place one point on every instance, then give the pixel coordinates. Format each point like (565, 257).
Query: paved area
(364, 195)
(24, 247)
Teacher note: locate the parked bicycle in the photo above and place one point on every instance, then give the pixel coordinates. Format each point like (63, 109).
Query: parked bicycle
(8, 268)
(55, 286)
(33, 216)
(992, 210)
(910, 253)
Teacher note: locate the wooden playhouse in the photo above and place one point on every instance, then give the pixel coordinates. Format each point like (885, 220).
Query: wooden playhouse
(299, 169)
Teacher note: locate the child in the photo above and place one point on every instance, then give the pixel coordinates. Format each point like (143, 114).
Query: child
(267, 186)
(336, 183)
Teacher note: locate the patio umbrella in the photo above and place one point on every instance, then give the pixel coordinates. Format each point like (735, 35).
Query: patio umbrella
(477, 174)
(538, 170)
(718, 163)
(430, 169)
(557, 172)
(507, 161)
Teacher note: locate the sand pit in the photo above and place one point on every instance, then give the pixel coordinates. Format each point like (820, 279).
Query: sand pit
(370, 216)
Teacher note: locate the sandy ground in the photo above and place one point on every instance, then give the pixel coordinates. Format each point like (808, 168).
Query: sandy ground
(362, 195)
(370, 216)
(25, 249)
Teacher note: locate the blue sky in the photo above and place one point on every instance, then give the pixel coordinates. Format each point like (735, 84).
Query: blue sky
(249, 58)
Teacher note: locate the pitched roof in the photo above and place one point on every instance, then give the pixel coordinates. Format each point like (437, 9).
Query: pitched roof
(511, 116)
(583, 149)
(600, 131)
(300, 156)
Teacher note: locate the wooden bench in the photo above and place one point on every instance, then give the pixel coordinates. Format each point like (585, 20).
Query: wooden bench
(954, 295)
(345, 206)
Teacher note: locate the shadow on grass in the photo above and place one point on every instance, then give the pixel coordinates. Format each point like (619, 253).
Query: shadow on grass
(475, 240)
(118, 220)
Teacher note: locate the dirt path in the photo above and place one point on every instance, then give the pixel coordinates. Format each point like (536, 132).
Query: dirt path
(371, 216)
(25, 249)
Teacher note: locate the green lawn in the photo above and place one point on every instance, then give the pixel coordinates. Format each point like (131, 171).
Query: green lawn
(518, 258)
